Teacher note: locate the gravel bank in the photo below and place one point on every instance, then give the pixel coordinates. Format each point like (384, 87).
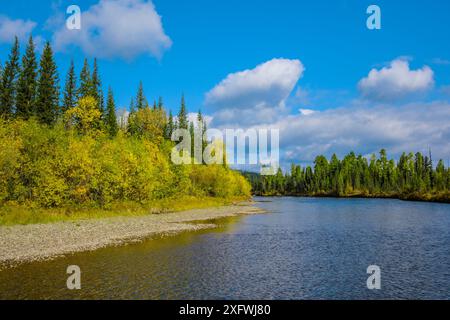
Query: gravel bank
(28, 243)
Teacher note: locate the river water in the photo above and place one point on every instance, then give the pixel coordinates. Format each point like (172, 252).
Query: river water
(305, 248)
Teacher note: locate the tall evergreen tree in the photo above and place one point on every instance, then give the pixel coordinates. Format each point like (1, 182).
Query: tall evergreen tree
(9, 82)
(86, 84)
(47, 104)
(141, 101)
(170, 126)
(160, 104)
(70, 94)
(182, 115)
(97, 87)
(1, 79)
(111, 119)
(27, 83)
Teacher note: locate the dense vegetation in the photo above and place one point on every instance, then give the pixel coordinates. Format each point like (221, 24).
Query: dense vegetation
(413, 177)
(70, 150)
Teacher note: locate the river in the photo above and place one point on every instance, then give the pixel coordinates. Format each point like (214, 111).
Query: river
(305, 248)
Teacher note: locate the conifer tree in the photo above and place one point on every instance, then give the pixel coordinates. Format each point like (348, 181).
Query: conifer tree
(86, 84)
(27, 83)
(182, 116)
(47, 104)
(97, 87)
(160, 104)
(1, 79)
(70, 94)
(170, 127)
(9, 82)
(141, 102)
(131, 128)
(111, 119)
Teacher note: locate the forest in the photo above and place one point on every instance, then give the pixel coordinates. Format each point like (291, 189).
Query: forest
(413, 176)
(67, 148)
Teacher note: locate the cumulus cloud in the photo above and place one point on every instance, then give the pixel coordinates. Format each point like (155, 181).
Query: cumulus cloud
(396, 81)
(10, 28)
(117, 28)
(269, 84)
(255, 95)
(365, 130)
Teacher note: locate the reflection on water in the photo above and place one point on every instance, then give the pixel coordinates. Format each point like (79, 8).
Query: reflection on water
(305, 249)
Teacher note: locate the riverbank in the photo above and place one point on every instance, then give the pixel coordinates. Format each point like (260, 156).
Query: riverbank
(27, 243)
(442, 197)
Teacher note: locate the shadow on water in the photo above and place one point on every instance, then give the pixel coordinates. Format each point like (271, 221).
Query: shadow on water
(106, 272)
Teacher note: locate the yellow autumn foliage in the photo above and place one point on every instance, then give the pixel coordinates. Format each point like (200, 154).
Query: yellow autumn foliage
(62, 166)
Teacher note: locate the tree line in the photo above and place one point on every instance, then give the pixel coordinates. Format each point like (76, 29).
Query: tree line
(31, 88)
(413, 176)
(69, 148)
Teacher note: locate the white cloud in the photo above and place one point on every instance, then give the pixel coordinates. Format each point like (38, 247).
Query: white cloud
(116, 28)
(396, 81)
(361, 126)
(364, 130)
(307, 112)
(10, 28)
(410, 127)
(269, 84)
(254, 96)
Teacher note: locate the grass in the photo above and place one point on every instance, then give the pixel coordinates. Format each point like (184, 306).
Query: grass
(22, 215)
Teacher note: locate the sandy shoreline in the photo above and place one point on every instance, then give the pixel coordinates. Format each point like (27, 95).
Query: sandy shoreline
(19, 244)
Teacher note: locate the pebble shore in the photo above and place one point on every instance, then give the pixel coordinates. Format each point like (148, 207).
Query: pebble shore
(19, 244)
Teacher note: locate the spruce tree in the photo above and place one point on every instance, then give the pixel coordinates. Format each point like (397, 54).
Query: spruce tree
(47, 104)
(111, 119)
(97, 87)
(131, 128)
(27, 83)
(170, 127)
(9, 82)
(160, 104)
(182, 115)
(141, 102)
(1, 79)
(202, 124)
(86, 84)
(70, 94)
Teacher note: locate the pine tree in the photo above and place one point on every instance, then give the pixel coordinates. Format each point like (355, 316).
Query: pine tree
(47, 104)
(202, 125)
(97, 87)
(1, 79)
(86, 84)
(9, 79)
(182, 116)
(170, 127)
(132, 106)
(111, 119)
(27, 83)
(131, 128)
(160, 104)
(141, 102)
(70, 94)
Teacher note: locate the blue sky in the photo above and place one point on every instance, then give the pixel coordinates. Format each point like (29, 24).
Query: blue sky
(198, 43)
